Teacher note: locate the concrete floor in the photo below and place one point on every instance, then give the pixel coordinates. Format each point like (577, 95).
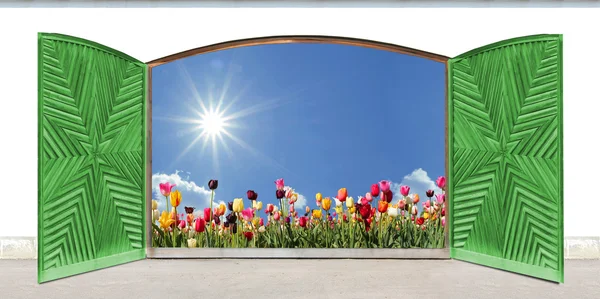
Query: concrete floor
(299, 279)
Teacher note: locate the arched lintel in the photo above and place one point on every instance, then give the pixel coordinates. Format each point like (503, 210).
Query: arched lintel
(270, 40)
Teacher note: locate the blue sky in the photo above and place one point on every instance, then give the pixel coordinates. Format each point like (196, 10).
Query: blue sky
(320, 116)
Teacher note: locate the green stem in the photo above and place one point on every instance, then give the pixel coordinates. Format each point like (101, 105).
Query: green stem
(176, 225)
(380, 230)
(210, 219)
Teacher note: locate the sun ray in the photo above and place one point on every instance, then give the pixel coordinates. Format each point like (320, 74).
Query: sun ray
(191, 85)
(256, 152)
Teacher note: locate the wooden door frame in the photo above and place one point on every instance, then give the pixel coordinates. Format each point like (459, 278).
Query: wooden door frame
(343, 253)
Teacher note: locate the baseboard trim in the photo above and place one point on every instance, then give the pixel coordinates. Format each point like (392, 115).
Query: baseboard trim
(26, 248)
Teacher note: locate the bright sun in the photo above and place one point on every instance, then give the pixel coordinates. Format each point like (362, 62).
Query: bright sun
(212, 123)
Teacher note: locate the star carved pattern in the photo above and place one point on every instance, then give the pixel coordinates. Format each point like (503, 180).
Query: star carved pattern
(506, 154)
(91, 153)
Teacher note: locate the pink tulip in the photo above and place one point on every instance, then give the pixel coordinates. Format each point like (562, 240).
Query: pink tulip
(385, 186)
(279, 184)
(261, 222)
(365, 201)
(441, 198)
(165, 188)
(288, 194)
(334, 214)
(441, 182)
(401, 204)
(404, 190)
(369, 196)
(248, 214)
(443, 221)
(292, 209)
(276, 216)
(427, 204)
(182, 224)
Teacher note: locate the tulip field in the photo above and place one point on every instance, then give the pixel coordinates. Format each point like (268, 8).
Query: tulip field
(373, 221)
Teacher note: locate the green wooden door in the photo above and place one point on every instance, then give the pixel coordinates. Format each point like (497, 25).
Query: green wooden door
(91, 157)
(505, 156)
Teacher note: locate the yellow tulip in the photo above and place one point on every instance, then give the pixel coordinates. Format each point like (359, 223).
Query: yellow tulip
(154, 204)
(155, 215)
(256, 222)
(338, 209)
(426, 215)
(319, 197)
(165, 220)
(349, 202)
(257, 205)
(175, 198)
(317, 214)
(238, 205)
(326, 204)
(352, 210)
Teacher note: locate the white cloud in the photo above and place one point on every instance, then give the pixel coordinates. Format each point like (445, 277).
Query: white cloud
(192, 195)
(301, 202)
(419, 182)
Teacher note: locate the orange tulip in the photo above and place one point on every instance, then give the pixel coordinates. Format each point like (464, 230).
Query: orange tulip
(342, 194)
(383, 206)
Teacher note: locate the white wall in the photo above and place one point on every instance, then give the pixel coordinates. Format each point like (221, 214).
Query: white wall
(152, 33)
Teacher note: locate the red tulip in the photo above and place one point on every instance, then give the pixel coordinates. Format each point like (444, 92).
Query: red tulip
(251, 195)
(302, 221)
(345, 218)
(365, 211)
(374, 191)
(270, 208)
(190, 219)
(248, 235)
(261, 222)
(200, 225)
(443, 211)
(182, 224)
(420, 221)
(387, 195)
(207, 215)
(441, 182)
